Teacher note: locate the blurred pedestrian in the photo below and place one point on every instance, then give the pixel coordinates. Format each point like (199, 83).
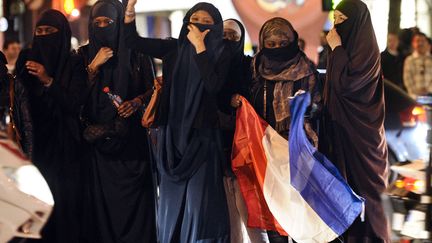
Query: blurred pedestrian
(417, 73)
(323, 50)
(392, 61)
(302, 44)
(11, 49)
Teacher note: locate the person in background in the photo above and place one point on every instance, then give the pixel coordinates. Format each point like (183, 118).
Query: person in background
(53, 78)
(237, 83)
(392, 61)
(11, 49)
(279, 70)
(192, 203)
(4, 93)
(323, 51)
(417, 72)
(15, 117)
(302, 44)
(352, 134)
(119, 197)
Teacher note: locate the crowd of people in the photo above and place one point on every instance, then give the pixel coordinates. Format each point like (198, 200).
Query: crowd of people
(115, 181)
(409, 65)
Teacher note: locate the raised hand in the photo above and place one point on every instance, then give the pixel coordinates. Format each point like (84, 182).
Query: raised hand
(130, 11)
(103, 55)
(39, 71)
(333, 39)
(196, 37)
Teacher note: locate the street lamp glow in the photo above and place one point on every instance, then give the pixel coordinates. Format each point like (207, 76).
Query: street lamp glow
(75, 13)
(69, 6)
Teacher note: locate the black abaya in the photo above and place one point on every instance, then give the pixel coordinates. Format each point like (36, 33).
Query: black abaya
(120, 196)
(192, 205)
(57, 147)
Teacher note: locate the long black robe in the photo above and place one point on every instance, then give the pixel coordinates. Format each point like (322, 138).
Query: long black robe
(57, 147)
(354, 119)
(192, 204)
(120, 197)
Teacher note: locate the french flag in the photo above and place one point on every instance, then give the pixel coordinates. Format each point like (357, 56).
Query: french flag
(290, 187)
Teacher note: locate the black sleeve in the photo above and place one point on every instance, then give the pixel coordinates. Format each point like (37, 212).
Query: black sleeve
(213, 75)
(72, 97)
(148, 74)
(246, 79)
(22, 118)
(238, 82)
(157, 48)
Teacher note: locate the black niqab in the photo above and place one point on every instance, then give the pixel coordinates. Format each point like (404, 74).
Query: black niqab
(182, 153)
(116, 72)
(52, 50)
(237, 47)
(345, 28)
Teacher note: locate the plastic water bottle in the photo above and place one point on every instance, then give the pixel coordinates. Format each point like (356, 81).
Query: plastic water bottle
(115, 99)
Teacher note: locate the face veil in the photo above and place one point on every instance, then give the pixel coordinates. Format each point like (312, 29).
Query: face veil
(116, 72)
(52, 50)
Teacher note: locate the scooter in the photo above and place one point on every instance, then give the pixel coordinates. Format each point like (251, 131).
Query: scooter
(26, 201)
(411, 194)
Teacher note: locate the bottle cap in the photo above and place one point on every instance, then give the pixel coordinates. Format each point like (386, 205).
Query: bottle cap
(106, 89)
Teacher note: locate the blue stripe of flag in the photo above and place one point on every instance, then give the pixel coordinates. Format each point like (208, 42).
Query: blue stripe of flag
(316, 178)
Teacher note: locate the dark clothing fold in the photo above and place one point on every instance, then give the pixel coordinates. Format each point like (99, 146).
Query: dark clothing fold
(353, 123)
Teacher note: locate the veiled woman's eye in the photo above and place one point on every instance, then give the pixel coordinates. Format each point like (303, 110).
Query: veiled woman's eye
(269, 44)
(284, 43)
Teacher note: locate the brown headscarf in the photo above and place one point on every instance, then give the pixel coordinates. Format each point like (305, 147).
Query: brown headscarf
(283, 73)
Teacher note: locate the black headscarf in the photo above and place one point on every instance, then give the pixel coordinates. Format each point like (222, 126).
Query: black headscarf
(52, 50)
(237, 47)
(116, 72)
(182, 153)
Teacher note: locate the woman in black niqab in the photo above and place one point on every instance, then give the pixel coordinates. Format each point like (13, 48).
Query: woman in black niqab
(192, 203)
(120, 200)
(353, 133)
(54, 79)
